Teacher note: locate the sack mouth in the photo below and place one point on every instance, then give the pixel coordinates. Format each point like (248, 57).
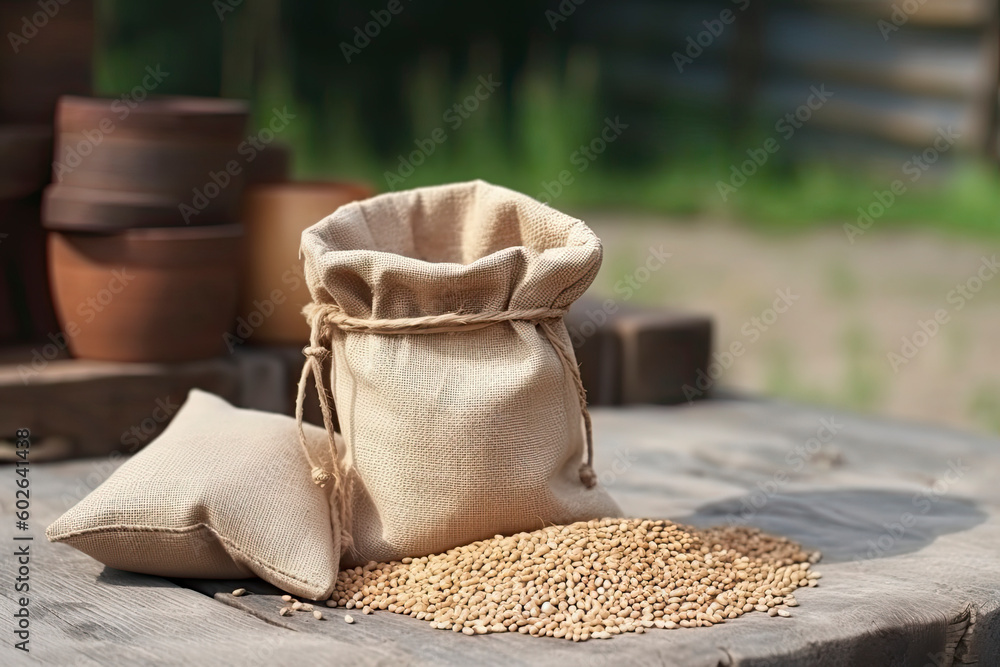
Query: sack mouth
(458, 247)
(459, 211)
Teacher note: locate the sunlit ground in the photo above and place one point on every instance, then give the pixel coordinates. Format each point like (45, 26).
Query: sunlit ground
(855, 304)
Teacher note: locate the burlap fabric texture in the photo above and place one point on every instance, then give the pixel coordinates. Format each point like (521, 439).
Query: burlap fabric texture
(222, 493)
(437, 315)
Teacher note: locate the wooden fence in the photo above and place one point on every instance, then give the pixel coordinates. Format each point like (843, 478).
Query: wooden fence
(899, 71)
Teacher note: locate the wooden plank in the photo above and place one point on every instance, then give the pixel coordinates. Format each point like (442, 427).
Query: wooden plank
(914, 601)
(83, 613)
(942, 13)
(935, 63)
(928, 593)
(906, 119)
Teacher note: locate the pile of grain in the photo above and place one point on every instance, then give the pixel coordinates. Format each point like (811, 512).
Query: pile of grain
(588, 580)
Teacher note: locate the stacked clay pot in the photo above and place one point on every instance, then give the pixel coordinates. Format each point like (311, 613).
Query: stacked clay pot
(273, 285)
(143, 213)
(47, 53)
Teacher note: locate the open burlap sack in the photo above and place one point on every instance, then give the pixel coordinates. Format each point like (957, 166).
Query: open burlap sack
(440, 311)
(222, 493)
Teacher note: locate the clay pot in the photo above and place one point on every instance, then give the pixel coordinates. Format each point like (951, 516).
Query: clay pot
(26, 307)
(25, 159)
(274, 288)
(271, 165)
(173, 161)
(47, 53)
(92, 210)
(146, 295)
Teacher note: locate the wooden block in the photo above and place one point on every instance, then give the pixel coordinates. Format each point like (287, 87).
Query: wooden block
(637, 355)
(599, 357)
(661, 352)
(101, 407)
(292, 359)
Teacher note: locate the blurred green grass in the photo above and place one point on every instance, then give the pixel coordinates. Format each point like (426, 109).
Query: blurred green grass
(525, 142)
(554, 116)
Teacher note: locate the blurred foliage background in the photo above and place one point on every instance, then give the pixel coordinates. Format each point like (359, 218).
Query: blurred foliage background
(560, 75)
(566, 66)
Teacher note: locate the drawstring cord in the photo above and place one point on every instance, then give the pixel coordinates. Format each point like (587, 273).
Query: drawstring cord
(327, 316)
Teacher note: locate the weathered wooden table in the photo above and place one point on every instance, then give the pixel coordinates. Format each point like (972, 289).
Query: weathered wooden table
(908, 519)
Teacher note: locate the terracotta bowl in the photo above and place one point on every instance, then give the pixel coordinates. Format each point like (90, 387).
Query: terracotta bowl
(171, 161)
(274, 288)
(146, 295)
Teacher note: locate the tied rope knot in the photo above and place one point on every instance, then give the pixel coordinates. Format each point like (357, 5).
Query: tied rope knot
(324, 318)
(320, 477)
(334, 475)
(320, 353)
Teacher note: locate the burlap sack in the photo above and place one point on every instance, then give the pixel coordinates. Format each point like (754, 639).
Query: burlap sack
(222, 493)
(453, 375)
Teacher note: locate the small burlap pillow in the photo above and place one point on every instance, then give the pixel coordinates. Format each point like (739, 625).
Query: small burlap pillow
(222, 493)
(440, 311)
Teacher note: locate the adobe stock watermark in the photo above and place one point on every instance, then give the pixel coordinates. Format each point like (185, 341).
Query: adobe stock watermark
(786, 126)
(32, 24)
(582, 158)
(122, 107)
(751, 331)
(922, 502)
(363, 35)
(561, 13)
(89, 309)
(626, 287)
(914, 169)
(454, 117)
(622, 463)
(900, 16)
(217, 181)
(696, 44)
(928, 329)
(223, 7)
(795, 459)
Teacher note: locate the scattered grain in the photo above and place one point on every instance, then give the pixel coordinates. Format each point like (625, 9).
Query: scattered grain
(348, 619)
(592, 579)
(239, 591)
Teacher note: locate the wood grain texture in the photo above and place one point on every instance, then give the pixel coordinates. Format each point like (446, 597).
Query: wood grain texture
(629, 354)
(927, 593)
(83, 613)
